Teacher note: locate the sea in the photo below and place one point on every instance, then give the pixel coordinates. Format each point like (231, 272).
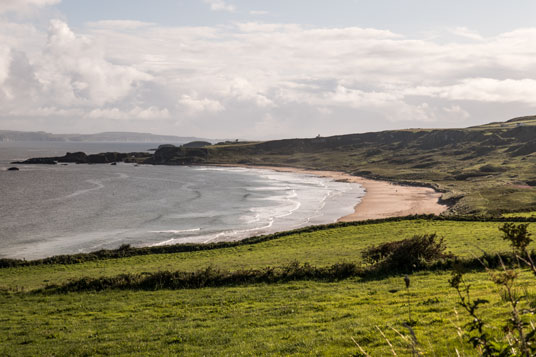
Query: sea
(48, 210)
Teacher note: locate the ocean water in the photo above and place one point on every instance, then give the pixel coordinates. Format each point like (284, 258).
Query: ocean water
(49, 210)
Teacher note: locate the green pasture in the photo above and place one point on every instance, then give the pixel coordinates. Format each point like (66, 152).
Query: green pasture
(301, 318)
(320, 248)
(297, 318)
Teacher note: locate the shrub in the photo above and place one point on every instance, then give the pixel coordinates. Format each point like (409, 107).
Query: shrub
(407, 254)
(518, 235)
(491, 168)
(518, 335)
(210, 277)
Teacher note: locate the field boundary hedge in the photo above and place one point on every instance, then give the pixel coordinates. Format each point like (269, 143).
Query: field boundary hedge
(295, 271)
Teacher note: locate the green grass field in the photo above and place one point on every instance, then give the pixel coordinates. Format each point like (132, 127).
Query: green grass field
(295, 318)
(320, 248)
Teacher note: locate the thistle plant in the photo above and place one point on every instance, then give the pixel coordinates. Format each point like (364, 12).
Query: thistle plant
(407, 281)
(519, 334)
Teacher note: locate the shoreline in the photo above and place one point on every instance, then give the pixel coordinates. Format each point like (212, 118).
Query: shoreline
(382, 199)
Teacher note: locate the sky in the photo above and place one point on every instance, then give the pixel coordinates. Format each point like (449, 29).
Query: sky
(264, 69)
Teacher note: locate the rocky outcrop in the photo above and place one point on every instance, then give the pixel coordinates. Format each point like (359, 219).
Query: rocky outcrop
(196, 144)
(172, 155)
(74, 157)
(83, 158)
(38, 160)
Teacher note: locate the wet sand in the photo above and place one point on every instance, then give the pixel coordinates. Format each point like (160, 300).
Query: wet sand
(382, 198)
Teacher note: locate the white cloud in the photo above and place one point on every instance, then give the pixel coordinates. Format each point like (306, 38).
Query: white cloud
(457, 111)
(258, 12)
(219, 5)
(242, 89)
(134, 113)
(5, 61)
(486, 90)
(301, 79)
(120, 24)
(76, 70)
(268, 125)
(359, 98)
(45, 111)
(70, 76)
(193, 105)
(21, 6)
(466, 33)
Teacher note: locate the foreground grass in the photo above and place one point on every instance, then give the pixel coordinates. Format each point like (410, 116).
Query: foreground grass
(298, 318)
(292, 318)
(320, 248)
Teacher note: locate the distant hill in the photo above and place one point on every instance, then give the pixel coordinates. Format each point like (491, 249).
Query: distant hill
(9, 135)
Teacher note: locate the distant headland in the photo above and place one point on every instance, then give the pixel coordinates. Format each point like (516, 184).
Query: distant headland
(112, 136)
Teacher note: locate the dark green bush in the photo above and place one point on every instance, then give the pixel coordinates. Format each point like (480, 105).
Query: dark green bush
(491, 168)
(211, 277)
(518, 236)
(408, 254)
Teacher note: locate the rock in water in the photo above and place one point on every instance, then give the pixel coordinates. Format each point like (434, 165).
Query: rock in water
(38, 160)
(13, 169)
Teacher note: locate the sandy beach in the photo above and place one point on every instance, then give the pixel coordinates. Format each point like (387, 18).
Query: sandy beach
(382, 199)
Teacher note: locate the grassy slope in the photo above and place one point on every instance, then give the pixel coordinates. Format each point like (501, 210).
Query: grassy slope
(302, 318)
(321, 248)
(298, 318)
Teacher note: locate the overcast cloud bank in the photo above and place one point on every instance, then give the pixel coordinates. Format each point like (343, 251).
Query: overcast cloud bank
(254, 80)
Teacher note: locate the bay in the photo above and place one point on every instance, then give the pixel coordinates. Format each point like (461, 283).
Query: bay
(49, 210)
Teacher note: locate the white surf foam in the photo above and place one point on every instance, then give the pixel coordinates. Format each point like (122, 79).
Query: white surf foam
(179, 231)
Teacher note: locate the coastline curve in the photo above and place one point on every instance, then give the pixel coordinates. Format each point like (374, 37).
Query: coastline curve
(383, 199)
